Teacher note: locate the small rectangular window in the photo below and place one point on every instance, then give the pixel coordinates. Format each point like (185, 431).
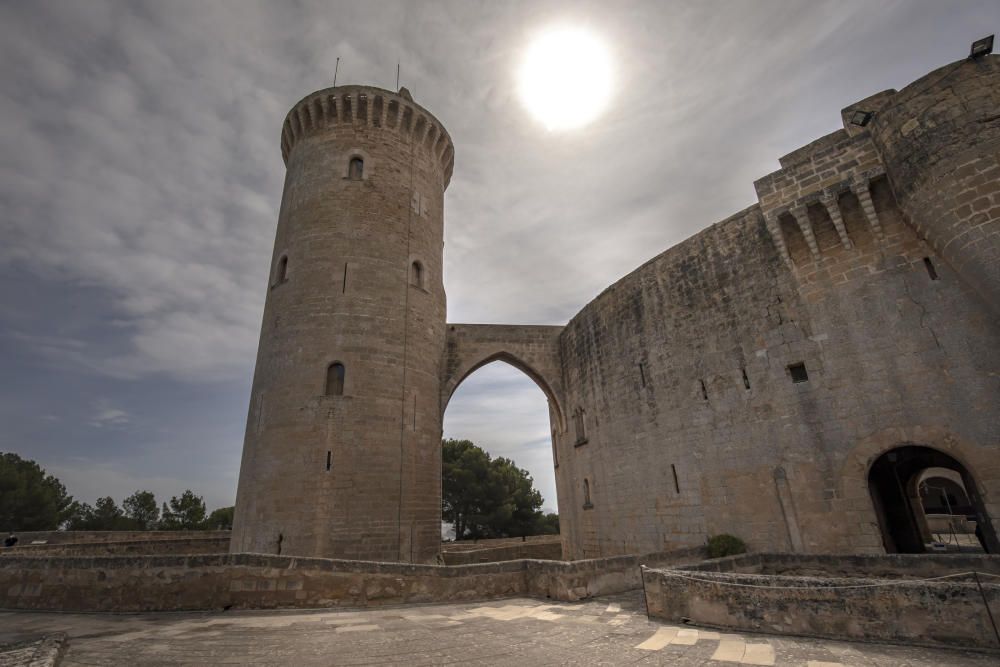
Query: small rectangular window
(798, 373)
(931, 271)
(329, 460)
(579, 417)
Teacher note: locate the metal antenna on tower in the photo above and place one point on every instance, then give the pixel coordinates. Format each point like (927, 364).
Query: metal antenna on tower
(397, 76)
(335, 68)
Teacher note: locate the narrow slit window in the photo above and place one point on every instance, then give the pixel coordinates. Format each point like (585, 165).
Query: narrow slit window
(417, 274)
(798, 373)
(329, 460)
(356, 169)
(344, 287)
(931, 271)
(281, 270)
(746, 380)
(642, 374)
(335, 379)
(586, 494)
(677, 484)
(579, 420)
(704, 390)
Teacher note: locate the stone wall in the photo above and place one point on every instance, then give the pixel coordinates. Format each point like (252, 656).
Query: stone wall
(489, 543)
(184, 545)
(939, 138)
(685, 418)
(890, 566)
(252, 581)
(548, 550)
(79, 536)
(948, 611)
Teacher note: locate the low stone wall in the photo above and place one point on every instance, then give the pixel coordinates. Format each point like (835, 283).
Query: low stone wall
(164, 547)
(904, 609)
(474, 545)
(249, 581)
(540, 550)
(891, 566)
(252, 581)
(579, 579)
(81, 536)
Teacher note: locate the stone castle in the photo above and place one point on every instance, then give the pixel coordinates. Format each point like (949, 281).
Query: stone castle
(789, 375)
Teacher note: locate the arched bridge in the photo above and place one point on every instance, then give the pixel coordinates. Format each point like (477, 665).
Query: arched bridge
(533, 349)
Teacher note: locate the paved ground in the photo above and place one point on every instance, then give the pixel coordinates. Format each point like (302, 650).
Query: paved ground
(519, 632)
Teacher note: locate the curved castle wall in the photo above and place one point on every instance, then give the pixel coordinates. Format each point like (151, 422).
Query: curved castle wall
(940, 139)
(685, 370)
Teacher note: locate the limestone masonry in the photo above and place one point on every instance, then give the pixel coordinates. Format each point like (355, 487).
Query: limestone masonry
(788, 375)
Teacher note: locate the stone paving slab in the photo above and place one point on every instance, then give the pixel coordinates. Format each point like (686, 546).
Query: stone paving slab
(517, 633)
(43, 651)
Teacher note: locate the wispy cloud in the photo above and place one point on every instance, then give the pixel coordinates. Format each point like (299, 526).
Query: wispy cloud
(107, 416)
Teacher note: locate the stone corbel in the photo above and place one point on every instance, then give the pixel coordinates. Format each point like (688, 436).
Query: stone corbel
(801, 216)
(771, 221)
(832, 206)
(864, 196)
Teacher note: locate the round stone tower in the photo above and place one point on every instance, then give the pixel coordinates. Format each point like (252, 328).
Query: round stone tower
(939, 139)
(342, 456)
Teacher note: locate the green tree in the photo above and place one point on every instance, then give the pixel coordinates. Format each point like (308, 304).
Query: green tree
(184, 513)
(141, 509)
(486, 497)
(104, 515)
(548, 524)
(108, 516)
(220, 519)
(29, 498)
(465, 471)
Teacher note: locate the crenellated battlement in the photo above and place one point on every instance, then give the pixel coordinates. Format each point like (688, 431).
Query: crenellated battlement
(372, 107)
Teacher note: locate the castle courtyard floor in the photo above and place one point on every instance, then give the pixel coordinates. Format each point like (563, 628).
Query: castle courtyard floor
(519, 632)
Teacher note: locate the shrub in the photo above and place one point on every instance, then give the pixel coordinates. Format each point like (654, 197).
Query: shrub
(725, 545)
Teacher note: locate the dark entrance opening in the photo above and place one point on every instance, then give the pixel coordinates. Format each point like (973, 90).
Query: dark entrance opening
(896, 481)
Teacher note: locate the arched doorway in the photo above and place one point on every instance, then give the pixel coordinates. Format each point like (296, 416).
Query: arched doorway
(506, 409)
(899, 482)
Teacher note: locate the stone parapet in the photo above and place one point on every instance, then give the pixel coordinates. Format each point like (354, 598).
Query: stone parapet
(184, 545)
(901, 605)
(256, 581)
(371, 107)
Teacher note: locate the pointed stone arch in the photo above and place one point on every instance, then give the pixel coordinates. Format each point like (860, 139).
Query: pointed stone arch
(532, 349)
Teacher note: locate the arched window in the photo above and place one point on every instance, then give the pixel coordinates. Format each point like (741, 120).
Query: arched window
(586, 494)
(356, 169)
(335, 379)
(579, 420)
(281, 270)
(417, 274)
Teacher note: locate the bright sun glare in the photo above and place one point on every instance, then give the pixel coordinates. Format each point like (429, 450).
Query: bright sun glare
(565, 79)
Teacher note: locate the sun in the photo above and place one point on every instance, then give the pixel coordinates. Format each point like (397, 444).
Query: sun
(565, 79)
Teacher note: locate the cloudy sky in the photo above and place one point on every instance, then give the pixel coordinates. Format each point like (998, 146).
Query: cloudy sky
(141, 176)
